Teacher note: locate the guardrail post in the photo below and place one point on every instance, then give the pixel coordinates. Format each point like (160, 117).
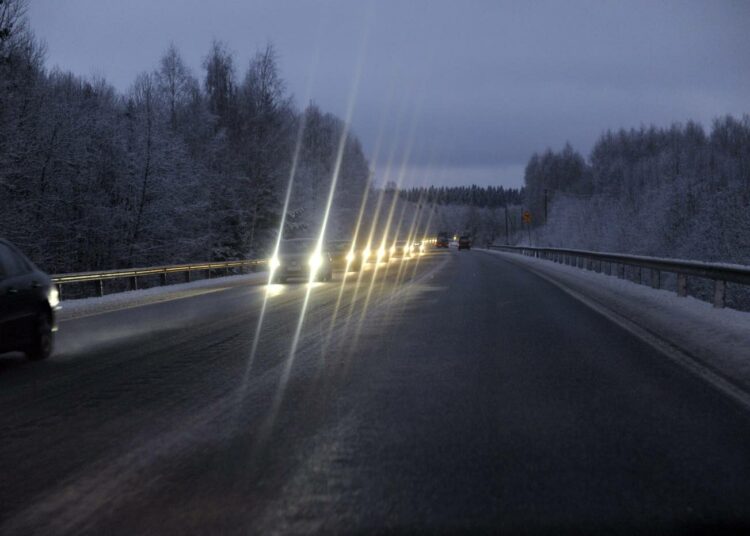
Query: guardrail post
(639, 275)
(187, 276)
(133, 283)
(100, 287)
(621, 271)
(208, 273)
(59, 292)
(719, 294)
(655, 279)
(163, 279)
(682, 285)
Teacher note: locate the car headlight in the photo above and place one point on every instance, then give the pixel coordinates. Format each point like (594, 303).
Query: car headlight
(381, 252)
(53, 297)
(315, 261)
(274, 262)
(351, 256)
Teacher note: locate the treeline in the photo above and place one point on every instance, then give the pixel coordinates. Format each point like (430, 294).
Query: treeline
(181, 167)
(678, 191)
(474, 196)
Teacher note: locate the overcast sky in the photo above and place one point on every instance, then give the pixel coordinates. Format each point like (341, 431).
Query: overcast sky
(458, 92)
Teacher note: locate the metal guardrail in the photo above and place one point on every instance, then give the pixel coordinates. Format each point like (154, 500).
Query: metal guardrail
(720, 274)
(133, 274)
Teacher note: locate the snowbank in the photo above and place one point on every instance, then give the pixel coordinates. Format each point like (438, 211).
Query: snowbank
(136, 298)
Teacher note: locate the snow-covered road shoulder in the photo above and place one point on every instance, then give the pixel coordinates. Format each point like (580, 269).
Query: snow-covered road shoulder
(72, 309)
(718, 339)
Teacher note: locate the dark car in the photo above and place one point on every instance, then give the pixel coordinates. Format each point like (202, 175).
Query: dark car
(28, 303)
(400, 249)
(443, 240)
(464, 242)
(299, 258)
(344, 255)
(375, 253)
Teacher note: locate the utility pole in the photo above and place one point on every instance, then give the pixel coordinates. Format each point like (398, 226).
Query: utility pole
(506, 224)
(545, 206)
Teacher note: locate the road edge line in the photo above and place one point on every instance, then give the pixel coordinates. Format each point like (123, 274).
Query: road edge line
(722, 383)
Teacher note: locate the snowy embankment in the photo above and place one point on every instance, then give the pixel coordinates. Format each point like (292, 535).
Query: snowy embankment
(137, 298)
(715, 341)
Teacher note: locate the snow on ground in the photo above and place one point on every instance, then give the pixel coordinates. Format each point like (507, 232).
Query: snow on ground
(718, 339)
(136, 298)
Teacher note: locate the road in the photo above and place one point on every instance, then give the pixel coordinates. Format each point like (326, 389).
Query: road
(459, 392)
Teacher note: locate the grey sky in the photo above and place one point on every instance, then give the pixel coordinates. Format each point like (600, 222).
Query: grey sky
(460, 91)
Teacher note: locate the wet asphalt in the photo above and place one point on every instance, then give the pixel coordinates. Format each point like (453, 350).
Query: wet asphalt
(454, 393)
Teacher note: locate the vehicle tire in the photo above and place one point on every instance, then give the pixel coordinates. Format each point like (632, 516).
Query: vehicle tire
(43, 343)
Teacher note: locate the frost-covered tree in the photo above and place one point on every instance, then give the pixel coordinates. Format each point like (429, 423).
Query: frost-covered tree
(171, 171)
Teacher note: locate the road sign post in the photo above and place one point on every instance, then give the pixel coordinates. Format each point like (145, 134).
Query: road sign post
(526, 218)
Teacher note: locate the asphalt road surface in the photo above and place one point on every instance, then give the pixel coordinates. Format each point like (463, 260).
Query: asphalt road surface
(454, 393)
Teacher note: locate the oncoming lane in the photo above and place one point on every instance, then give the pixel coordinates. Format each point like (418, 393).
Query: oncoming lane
(127, 376)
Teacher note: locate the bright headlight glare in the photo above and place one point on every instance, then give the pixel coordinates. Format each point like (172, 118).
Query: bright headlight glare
(315, 261)
(274, 262)
(53, 297)
(393, 250)
(381, 253)
(351, 256)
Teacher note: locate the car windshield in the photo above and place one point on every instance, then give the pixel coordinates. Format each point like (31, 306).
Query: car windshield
(296, 246)
(339, 247)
